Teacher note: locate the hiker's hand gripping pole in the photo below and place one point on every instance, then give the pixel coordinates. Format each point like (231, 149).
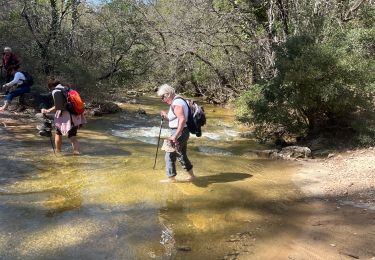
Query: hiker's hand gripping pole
(157, 147)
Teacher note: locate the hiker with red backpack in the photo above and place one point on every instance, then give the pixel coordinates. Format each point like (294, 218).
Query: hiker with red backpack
(177, 117)
(67, 121)
(9, 59)
(20, 85)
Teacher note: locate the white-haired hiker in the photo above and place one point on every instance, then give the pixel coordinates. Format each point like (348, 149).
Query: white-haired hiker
(177, 117)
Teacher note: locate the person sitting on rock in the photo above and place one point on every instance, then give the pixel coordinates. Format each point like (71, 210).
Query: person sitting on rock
(17, 87)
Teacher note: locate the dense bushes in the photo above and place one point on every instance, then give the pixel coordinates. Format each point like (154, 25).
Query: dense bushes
(319, 86)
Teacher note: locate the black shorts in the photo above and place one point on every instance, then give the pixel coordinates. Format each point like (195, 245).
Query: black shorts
(72, 132)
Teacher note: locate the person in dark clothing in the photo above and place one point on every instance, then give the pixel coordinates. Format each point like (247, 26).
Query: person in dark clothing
(9, 59)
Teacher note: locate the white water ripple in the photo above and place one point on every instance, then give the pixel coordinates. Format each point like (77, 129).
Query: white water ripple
(150, 134)
(143, 134)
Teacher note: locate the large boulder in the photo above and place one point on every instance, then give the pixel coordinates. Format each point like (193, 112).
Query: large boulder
(102, 108)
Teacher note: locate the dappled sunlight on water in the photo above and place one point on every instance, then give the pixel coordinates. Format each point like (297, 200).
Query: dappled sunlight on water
(108, 203)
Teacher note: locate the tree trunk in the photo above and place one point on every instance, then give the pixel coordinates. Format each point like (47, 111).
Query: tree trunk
(74, 23)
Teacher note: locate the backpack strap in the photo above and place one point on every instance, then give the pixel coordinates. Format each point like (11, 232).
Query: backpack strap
(24, 74)
(179, 97)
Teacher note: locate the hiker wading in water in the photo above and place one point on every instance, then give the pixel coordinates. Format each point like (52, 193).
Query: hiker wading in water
(177, 117)
(65, 122)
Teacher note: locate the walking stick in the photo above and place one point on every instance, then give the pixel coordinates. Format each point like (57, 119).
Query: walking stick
(157, 147)
(50, 137)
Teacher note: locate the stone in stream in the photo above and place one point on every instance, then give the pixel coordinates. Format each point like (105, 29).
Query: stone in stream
(184, 248)
(295, 152)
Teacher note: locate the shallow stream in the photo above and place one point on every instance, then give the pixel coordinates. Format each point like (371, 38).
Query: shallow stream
(108, 203)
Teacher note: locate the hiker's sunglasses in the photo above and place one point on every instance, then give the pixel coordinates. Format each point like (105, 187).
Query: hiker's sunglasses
(164, 96)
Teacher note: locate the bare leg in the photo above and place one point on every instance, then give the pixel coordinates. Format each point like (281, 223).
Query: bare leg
(191, 175)
(75, 145)
(5, 106)
(58, 141)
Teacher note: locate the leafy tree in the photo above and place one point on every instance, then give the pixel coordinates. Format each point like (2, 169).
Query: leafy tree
(318, 86)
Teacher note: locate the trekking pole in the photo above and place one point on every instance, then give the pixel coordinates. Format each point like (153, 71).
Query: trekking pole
(50, 137)
(157, 147)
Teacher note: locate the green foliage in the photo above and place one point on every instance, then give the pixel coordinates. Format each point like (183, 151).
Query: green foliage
(243, 103)
(216, 49)
(317, 85)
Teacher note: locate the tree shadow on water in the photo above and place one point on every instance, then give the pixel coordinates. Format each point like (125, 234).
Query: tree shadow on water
(223, 177)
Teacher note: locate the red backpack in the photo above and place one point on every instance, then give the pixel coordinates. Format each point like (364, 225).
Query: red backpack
(74, 103)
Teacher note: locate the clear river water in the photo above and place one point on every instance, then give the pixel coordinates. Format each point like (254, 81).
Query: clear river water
(108, 202)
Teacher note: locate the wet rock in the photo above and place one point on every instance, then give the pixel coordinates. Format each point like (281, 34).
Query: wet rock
(101, 108)
(231, 255)
(295, 152)
(95, 112)
(184, 248)
(247, 134)
(132, 93)
(128, 100)
(233, 240)
(266, 153)
(141, 111)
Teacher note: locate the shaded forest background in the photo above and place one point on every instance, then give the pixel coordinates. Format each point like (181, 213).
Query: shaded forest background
(302, 67)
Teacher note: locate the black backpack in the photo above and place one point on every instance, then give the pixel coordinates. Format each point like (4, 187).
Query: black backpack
(29, 81)
(196, 117)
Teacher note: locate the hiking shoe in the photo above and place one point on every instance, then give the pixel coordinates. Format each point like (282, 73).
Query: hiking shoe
(168, 146)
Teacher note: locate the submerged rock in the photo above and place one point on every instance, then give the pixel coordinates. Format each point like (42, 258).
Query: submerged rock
(184, 248)
(272, 153)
